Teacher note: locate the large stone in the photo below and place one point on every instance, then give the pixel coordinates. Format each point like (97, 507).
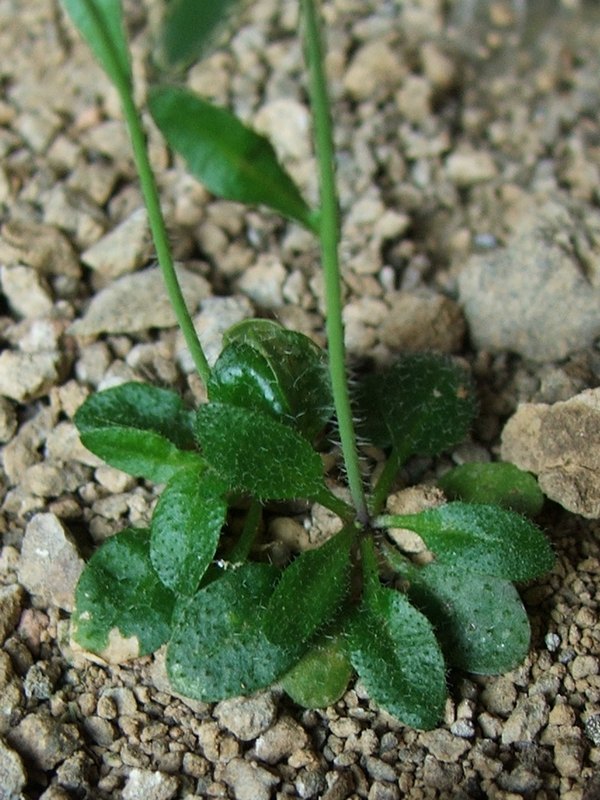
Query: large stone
(25, 376)
(12, 774)
(123, 249)
(43, 740)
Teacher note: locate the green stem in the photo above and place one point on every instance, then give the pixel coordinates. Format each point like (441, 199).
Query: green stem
(387, 477)
(159, 231)
(329, 240)
(327, 499)
(241, 549)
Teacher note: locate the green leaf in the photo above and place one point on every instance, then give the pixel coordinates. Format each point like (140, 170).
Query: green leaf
(395, 652)
(497, 483)
(256, 454)
(100, 22)
(280, 372)
(231, 160)
(479, 620)
(311, 591)
(486, 539)
(186, 526)
(188, 26)
(122, 610)
(140, 429)
(321, 676)
(423, 405)
(218, 648)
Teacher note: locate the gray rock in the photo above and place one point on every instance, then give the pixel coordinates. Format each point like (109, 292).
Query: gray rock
(423, 321)
(137, 302)
(249, 781)
(26, 291)
(42, 247)
(12, 774)
(11, 606)
(526, 721)
(50, 565)
(146, 785)
(25, 376)
(280, 741)
(444, 746)
(124, 249)
(560, 443)
(247, 717)
(8, 420)
(43, 740)
(533, 297)
(263, 282)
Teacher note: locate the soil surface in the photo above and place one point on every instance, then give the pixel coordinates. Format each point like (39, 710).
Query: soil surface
(469, 169)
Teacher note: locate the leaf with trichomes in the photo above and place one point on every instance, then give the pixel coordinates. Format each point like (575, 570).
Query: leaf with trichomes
(321, 676)
(423, 405)
(479, 620)
(218, 648)
(311, 591)
(122, 609)
(140, 429)
(186, 526)
(281, 372)
(485, 539)
(257, 454)
(228, 157)
(497, 483)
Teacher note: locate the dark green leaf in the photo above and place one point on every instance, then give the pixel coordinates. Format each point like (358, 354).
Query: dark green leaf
(230, 159)
(188, 26)
(311, 591)
(140, 429)
(186, 526)
(395, 653)
(321, 676)
(256, 454)
(218, 648)
(480, 620)
(486, 539)
(122, 610)
(422, 405)
(496, 483)
(280, 372)
(100, 22)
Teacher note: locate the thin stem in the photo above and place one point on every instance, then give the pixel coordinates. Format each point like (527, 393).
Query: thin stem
(327, 499)
(329, 240)
(241, 549)
(159, 232)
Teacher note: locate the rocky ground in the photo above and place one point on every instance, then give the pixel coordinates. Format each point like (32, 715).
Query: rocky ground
(469, 169)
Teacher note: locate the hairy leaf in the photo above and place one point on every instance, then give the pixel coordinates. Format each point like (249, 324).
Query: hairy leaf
(310, 591)
(486, 539)
(218, 648)
(256, 454)
(100, 22)
(321, 676)
(231, 159)
(395, 652)
(188, 26)
(479, 620)
(283, 373)
(186, 526)
(122, 610)
(422, 405)
(140, 429)
(496, 483)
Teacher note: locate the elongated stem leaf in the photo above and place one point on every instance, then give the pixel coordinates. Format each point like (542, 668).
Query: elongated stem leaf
(188, 27)
(256, 454)
(228, 157)
(495, 483)
(321, 676)
(487, 539)
(140, 429)
(479, 620)
(395, 652)
(218, 648)
(100, 22)
(186, 526)
(122, 610)
(311, 591)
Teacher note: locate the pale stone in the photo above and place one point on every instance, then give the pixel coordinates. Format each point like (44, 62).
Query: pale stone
(25, 291)
(25, 376)
(122, 250)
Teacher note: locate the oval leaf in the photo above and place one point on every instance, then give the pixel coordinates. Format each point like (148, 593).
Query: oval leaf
(321, 676)
(480, 621)
(311, 591)
(100, 22)
(187, 28)
(229, 158)
(218, 648)
(487, 539)
(496, 483)
(395, 653)
(422, 405)
(122, 610)
(140, 429)
(186, 527)
(267, 367)
(256, 454)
